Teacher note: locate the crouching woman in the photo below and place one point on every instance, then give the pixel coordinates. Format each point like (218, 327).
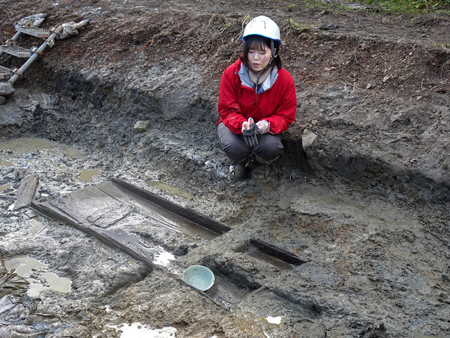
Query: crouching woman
(257, 101)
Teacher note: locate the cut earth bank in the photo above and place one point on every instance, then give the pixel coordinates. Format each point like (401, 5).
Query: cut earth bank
(362, 189)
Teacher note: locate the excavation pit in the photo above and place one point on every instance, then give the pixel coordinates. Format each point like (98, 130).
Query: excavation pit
(361, 187)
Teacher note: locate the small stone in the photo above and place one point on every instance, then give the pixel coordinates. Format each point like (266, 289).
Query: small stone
(332, 26)
(141, 126)
(308, 139)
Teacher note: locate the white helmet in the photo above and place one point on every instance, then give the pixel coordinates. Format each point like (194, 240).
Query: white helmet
(263, 26)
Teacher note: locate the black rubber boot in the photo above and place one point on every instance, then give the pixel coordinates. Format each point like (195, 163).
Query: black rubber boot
(261, 169)
(237, 172)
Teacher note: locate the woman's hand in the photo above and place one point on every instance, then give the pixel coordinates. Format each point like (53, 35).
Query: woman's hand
(247, 124)
(264, 126)
(249, 131)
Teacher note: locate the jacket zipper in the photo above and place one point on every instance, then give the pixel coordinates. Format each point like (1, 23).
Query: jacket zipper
(256, 89)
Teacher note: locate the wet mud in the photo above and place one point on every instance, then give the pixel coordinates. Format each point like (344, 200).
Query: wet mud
(348, 238)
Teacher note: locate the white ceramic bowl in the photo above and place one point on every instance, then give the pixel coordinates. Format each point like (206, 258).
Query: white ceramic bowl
(199, 276)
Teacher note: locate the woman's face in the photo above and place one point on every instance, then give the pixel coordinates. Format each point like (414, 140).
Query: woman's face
(259, 56)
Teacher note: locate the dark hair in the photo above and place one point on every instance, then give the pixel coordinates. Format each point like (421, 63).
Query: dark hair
(262, 43)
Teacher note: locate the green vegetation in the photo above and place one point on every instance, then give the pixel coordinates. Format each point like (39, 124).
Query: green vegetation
(410, 6)
(393, 6)
(441, 45)
(245, 21)
(298, 26)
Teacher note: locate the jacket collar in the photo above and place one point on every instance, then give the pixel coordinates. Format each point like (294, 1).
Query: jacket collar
(267, 84)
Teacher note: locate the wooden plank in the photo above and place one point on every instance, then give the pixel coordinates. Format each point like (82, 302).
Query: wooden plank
(92, 206)
(277, 252)
(114, 238)
(191, 215)
(155, 212)
(26, 191)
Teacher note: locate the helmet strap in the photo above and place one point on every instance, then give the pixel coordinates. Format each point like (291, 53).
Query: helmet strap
(272, 48)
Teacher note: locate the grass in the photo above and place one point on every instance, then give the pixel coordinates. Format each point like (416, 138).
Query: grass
(393, 6)
(441, 45)
(410, 6)
(298, 26)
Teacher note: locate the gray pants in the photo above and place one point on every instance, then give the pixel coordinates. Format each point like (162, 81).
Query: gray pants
(268, 149)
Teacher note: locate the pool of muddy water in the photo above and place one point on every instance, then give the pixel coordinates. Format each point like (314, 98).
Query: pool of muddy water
(34, 272)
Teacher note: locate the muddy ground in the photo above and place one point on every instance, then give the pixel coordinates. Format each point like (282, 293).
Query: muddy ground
(361, 191)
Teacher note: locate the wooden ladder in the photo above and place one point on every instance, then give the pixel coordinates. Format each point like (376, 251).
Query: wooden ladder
(31, 54)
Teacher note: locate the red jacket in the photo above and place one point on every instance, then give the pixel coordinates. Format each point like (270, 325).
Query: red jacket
(277, 104)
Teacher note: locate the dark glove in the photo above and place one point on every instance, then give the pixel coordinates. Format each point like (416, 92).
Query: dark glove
(250, 135)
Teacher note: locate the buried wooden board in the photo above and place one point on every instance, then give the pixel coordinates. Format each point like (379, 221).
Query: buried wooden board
(271, 254)
(186, 213)
(118, 214)
(165, 212)
(116, 238)
(26, 191)
(277, 252)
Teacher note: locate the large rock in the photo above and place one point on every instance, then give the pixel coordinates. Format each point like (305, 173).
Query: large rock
(10, 115)
(6, 89)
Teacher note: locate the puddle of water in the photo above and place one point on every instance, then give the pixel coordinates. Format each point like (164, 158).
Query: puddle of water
(57, 283)
(24, 265)
(137, 330)
(170, 189)
(87, 175)
(36, 226)
(72, 152)
(5, 187)
(6, 163)
(28, 144)
(35, 289)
